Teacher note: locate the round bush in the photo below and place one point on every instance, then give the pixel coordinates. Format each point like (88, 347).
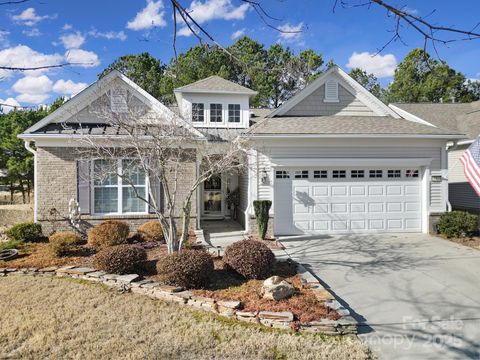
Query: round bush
(150, 231)
(251, 259)
(120, 259)
(458, 224)
(64, 243)
(108, 233)
(191, 269)
(26, 232)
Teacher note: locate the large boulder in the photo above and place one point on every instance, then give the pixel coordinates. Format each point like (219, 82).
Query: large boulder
(277, 288)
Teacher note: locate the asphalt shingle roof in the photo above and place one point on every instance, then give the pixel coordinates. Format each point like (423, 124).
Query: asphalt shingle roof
(215, 83)
(458, 117)
(344, 125)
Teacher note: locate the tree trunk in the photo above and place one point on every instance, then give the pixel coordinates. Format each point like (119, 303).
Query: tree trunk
(187, 207)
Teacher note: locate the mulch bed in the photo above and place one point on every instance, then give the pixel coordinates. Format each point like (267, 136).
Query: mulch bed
(473, 242)
(273, 244)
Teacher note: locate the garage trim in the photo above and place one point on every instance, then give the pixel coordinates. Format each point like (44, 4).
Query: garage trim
(296, 162)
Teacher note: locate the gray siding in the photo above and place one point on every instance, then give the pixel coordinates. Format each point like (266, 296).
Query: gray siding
(313, 105)
(463, 197)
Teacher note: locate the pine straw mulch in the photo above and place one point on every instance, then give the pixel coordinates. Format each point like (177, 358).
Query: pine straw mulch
(227, 285)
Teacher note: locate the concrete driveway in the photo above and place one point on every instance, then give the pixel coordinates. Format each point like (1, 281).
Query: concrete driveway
(416, 296)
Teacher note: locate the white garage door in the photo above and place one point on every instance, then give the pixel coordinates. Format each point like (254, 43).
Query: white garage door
(360, 200)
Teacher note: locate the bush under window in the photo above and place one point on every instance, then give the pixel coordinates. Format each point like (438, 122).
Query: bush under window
(25, 232)
(251, 259)
(150, 231)
(120, 259)
(108, 233)
(458, 224)
(64, 243)
(191, 269)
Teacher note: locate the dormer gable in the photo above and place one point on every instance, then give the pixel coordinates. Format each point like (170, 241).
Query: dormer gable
(335, 93)
(215, 103)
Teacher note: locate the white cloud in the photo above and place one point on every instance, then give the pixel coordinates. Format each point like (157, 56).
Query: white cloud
(4, 42)
(151, 16)
(34, 32)
(23, 56)
(68, 87)
(33, 89)
(73, 40)
(238, 34)
(214, 10)
(8, 105)
(291, 32)
(67, 27)
(82, 58)
(379, 65)
(109, 35)
(29, 17)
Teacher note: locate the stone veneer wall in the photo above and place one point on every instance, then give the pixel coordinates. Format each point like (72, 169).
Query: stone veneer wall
(57, 184)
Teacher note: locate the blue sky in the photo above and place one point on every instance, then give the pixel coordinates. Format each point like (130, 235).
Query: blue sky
(94, 33)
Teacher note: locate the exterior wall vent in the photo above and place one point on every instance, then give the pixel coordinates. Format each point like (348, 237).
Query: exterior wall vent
(331, 91)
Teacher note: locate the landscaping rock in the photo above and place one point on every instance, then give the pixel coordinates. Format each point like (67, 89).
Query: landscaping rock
(333, 304)
(110, 277)
(322, 294)
(282, 316)
(79, 271)
(64, 269)
(343, 312)
(127, 279)
(150, 285)
(230, 304)
(276, 288)
(247, 316)
(10, 270)
(48, 269)
(171, 289)
(3, 270)
(96, 274)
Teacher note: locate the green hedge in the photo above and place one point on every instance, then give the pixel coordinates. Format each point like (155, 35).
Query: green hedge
(262, 208)
(458, 224)
(26, 232)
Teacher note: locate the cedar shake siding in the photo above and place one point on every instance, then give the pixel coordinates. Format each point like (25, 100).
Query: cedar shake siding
(57, 179)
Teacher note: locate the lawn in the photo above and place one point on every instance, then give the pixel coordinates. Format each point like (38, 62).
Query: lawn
(60, 318)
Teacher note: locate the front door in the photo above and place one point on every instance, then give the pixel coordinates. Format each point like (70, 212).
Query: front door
(212, 196)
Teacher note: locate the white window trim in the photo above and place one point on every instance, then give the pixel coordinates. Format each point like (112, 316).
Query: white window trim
(119, 187)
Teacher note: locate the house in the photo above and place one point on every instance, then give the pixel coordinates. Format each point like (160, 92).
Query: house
(457, 117)
(333, 159)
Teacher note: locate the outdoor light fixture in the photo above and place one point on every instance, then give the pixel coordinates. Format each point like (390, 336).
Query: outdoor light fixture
(264, 177)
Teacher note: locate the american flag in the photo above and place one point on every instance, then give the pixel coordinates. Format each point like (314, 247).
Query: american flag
(471, 164)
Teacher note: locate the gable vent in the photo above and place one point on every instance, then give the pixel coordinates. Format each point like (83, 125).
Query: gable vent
(331, 91)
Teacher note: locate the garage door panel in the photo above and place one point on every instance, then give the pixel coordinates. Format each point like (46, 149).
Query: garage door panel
(347, 205)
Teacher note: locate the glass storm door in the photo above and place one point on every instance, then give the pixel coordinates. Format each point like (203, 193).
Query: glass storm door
(212, 196)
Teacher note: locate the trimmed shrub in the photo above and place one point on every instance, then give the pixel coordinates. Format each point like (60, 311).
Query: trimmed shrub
(458, 224)
(251, 259)
(120, 259)
(64, 243)
(26, 232)
(262, 208)
(108, 233)
(191, 269)
(150, 231)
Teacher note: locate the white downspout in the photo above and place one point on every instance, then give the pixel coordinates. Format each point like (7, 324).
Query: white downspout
(35, 190)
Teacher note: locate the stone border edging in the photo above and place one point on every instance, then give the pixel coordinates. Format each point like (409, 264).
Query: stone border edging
(345, 325)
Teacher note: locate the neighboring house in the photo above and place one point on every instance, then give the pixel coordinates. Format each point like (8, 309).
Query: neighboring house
(333, 159)
(457, 117)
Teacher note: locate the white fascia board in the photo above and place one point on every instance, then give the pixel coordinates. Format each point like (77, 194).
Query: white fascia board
(465, 142)
(249, 93)
(409, 116)
(352, 136)
(359, 162)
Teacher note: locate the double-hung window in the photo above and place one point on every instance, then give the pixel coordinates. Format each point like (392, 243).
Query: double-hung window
(234, 113)
(198, 112)
(117, 186)
(216, 113)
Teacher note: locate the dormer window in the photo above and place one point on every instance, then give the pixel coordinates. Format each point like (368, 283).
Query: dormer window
(234, 113)
(331, 91)
(216, 113)
(198, 110)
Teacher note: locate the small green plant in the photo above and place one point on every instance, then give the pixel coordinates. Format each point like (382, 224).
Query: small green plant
(458, 224)
(11, 244)
(26, 232)
(262, 208)
(64, 243)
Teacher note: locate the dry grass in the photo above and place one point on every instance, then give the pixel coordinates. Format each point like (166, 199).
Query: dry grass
(40, 255)
(65, 319)
(473, 241)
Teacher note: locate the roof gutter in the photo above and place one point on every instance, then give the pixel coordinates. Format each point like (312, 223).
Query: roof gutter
(353, 136)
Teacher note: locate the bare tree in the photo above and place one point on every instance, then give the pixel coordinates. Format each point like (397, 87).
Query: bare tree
(160, 147)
